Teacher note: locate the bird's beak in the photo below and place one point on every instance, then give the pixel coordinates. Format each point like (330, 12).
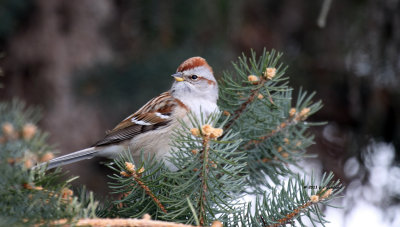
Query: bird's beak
(178, 76)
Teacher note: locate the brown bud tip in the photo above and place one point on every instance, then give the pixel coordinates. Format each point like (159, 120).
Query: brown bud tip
(146, 217)
(39, 188)
(28, 163)
(254, 79)
(27, 186)
(141, 170)
(314, 198)
(216, 224)
(130, 167)
(292, 112)
(304, 113)
(213, 164)
(195, 132)
(327, 193)
(260, 96)
(226, 113)
(270, 73)
(47, 157)
(124, 174)
(8, 129)
(66, 193)
(207, 129)
(28, 131)
(286, 140)
(265, 160)
(216, 132)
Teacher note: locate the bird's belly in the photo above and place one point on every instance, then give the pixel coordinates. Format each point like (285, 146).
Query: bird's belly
(152, 143)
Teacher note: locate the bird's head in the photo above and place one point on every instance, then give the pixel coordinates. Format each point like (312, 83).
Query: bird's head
(194, 78)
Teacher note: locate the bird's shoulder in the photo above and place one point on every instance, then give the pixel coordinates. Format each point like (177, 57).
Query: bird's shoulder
(155, 113)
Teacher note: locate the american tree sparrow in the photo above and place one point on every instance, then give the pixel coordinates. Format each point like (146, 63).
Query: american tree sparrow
(149, 129)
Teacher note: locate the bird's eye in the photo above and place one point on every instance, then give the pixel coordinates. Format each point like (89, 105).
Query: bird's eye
(194, 77)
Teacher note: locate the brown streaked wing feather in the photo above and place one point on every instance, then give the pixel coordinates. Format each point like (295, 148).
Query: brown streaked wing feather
(127, 129)
(127, 133)
(148, 111)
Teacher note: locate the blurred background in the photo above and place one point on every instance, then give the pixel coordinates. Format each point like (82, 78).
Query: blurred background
(90, 63)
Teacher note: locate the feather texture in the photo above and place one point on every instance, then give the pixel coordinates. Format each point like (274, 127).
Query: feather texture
(153, 115)
(192, 63)
(76, 156)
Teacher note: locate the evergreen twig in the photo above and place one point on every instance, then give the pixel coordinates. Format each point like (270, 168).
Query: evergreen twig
(136, 176)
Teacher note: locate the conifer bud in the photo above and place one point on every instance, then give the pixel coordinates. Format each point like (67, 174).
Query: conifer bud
(195, 132)
(146, 217)
(8, 129)
(124, 174)
(286, 140)
(216, 224)
(216, 132)
(141, 170)
(260, 96)
(66, 193)
(213, 164)
(292, 112)
(39, 188)
(314, 199)
(130, 167)
(28, 163)
(327, 193)
(270, 73)
(47, 157)
(28, 131)
(254, 79)
(303, 113)
(206, 129)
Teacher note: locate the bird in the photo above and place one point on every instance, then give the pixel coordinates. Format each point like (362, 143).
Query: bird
(194, 90)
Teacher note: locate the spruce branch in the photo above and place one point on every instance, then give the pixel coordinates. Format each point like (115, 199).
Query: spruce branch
(257, 81)
(137, 187)
(257, 100)
(203, 179)
(207, 133)
(210, 172)
(31, 196)
(131, 172)
(295, 117)
(293, 202)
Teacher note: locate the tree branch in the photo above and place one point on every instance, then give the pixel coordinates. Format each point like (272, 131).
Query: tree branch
(244, 105)
(203, 178)
(136, 176)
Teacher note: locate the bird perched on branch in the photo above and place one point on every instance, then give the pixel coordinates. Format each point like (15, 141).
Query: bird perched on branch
(149, 129)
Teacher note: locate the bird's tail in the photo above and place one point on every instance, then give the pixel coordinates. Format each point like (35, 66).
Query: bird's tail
(76, 156)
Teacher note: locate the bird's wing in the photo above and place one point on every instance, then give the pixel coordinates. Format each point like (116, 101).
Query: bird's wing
(154, 114)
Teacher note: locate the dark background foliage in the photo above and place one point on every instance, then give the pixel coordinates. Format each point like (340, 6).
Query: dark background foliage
(89, 64)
